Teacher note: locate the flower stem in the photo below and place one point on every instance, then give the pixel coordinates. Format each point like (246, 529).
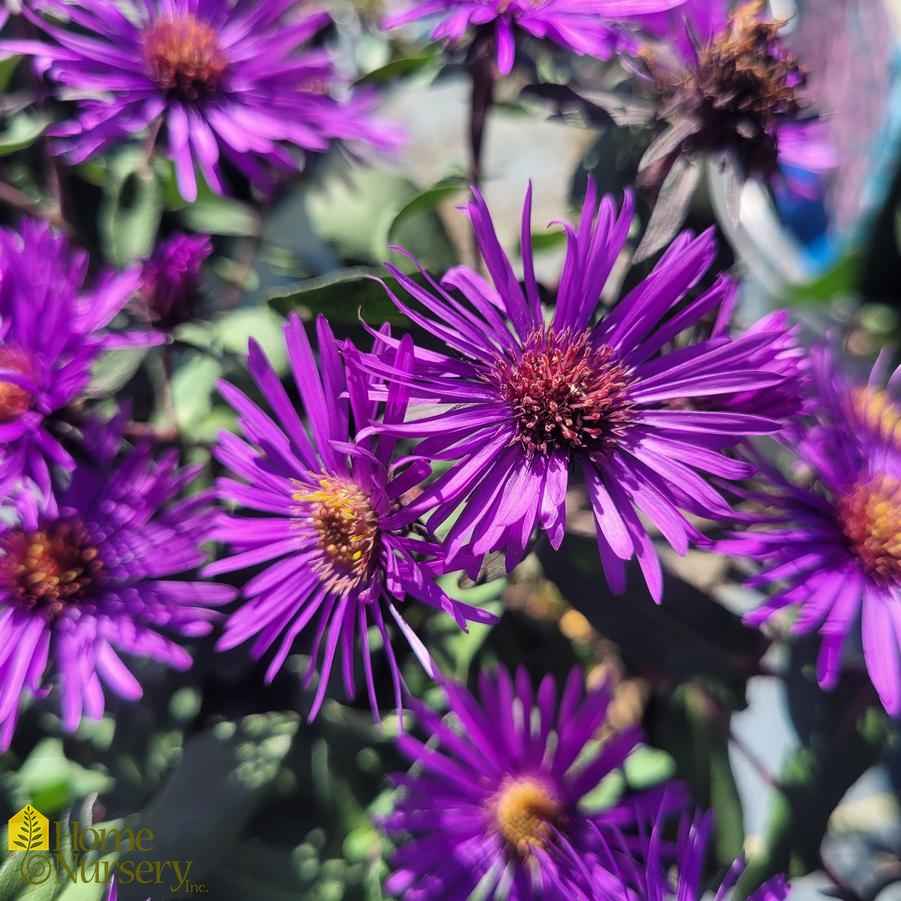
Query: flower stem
(481, 70)
(21, 201)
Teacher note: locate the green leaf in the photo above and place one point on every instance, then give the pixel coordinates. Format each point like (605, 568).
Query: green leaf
(841, 280)
(418, 228)
(361, 211)
(344, 296)
(699, 745)
(398, 68)
(83, 891)
(353, 208)
(428, 200)
(114, 370)
(214, 215)
(53, 782)
(547, 240)
(192, 394)
(21, 132)
(648, 767)
(131, 210)
(39, 865)
(7, 67)
(445, 635)
(232, 331)
(220, 782)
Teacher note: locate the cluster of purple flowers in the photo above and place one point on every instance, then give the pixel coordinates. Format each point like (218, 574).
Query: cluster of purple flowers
(349, 492)
(216, 81)
(499, 802)
(82, 578)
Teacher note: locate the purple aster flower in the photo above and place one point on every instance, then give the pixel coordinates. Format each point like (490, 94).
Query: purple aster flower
(498, 802)
(832, 542)
(781, 353)
(656, 880)
(171, 280)
(524, 395)
(730, 88)
(332, 561)
(694, 837)
(577, 25)
(221, 80)
(86, 573)
(52, 331)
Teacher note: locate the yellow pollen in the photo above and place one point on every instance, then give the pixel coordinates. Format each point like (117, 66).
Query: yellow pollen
(342, 515)
(14, 399)
(878, 412)
(50, 568)
(526, 812)
(870, 514)
(183, 56)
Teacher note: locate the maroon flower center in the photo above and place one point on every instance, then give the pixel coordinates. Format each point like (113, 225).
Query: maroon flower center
(526, 814)
(746, 83)
(341, 514)
(184, 57)
(50, 568)
(14, 399)
(565, 393)
(870, 516)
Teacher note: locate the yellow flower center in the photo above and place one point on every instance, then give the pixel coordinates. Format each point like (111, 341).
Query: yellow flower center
(184, 57)
(50, 568)
(870, 514)
(341, 514)
(526, 813)
(879, 413)
(14, 399)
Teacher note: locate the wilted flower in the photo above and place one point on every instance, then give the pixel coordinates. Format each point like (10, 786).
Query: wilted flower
(52, 331)
(171, 281)
(496, 798)
(833, 542)
(221, 80)
(337, 546)
(730, 89)
(87, 573)
(525, 394)
(583, 26)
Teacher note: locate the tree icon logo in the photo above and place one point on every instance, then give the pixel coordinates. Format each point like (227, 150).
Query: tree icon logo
(29, 830)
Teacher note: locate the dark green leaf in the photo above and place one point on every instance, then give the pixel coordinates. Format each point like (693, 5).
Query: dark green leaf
(839, 281)
(22, 131)
(694, 729)
(689, 634)
(216, 215)
(398, 68)
(114, 370)
(132, 209)
(345, 296)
